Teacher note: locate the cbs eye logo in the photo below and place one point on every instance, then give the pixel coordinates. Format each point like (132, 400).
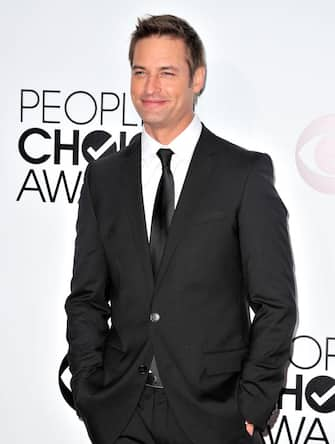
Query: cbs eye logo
(315, 154)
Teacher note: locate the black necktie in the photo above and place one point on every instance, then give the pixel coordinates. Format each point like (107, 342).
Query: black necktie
(161, 219)
(163, 209)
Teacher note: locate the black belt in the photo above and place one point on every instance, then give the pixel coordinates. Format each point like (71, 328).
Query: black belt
(153, 380)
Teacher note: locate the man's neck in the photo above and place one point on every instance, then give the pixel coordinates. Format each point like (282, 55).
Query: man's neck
(165, 135)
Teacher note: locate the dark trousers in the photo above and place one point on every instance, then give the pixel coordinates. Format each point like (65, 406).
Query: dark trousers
(154, 422)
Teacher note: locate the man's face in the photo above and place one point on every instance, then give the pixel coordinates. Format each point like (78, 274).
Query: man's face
(161, 88)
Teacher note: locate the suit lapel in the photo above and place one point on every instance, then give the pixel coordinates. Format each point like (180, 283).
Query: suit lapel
(196, 184)
(134, 205)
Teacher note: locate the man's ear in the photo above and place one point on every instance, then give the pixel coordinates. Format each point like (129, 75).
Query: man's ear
(199, 79)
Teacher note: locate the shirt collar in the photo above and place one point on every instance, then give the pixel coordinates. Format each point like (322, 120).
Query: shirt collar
(183, 145)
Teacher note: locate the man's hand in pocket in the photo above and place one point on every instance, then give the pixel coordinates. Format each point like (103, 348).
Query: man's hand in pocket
(250, 428)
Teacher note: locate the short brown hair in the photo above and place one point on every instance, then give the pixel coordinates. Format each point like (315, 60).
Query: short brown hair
(175, 27)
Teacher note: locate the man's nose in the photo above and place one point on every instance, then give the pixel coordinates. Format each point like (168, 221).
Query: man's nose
(153, 84)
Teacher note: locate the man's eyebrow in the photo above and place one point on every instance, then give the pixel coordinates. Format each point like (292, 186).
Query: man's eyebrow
(137, 67)
(162, 68)
(169, 67)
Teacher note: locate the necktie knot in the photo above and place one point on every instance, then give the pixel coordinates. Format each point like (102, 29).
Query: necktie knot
(165, 155)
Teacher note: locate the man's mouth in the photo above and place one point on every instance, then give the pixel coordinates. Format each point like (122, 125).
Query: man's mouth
(153, 102)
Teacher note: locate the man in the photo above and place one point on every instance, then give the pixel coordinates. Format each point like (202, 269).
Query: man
(177, 236)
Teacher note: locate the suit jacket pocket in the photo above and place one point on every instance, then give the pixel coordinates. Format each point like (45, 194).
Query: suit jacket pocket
(82, 377)
(77, 380)
(87, 387)
(224, 361)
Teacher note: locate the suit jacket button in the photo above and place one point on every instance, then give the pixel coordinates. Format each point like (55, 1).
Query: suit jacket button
(154, 317)
(142, 369)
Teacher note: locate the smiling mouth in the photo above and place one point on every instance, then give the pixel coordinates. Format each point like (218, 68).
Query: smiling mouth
(153, 102)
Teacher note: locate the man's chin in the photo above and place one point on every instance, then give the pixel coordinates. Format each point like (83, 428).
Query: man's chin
(154, 123)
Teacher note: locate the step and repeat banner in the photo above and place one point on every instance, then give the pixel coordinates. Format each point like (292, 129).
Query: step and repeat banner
(66, 102)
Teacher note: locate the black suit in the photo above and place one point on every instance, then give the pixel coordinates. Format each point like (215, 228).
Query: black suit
(228, 248)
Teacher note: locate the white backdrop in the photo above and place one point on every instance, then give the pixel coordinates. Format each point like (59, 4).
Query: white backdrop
(271, 72)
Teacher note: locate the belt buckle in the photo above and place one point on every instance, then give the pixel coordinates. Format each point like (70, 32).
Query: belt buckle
(152, 380)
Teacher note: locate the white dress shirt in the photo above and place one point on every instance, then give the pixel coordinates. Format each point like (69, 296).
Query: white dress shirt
(183, 147)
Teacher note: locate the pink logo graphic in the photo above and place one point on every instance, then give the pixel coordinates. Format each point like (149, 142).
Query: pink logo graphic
(315, 154)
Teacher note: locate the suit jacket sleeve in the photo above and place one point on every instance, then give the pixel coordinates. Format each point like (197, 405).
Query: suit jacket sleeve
(268, 272)
(87, 305)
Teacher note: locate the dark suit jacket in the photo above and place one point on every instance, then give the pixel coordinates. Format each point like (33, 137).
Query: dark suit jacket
(228, 248)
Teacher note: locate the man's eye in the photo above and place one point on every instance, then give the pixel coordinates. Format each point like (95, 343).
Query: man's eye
(138, 73)
(168, 73)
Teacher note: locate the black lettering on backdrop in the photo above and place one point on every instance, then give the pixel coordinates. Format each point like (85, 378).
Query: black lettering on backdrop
(318, 428)
(22, 146)
(31, 99)
(74, 147)
(24, 93)
(62, 178)
(124, 113)
(49, 145)
(94, 145)
(328, 352)
(284, 434)
(45, 106)
(296, 391)
(36, 186)
(319, 392)
(102, 107)
(92, 101)
(317, 352)
(317, 357)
